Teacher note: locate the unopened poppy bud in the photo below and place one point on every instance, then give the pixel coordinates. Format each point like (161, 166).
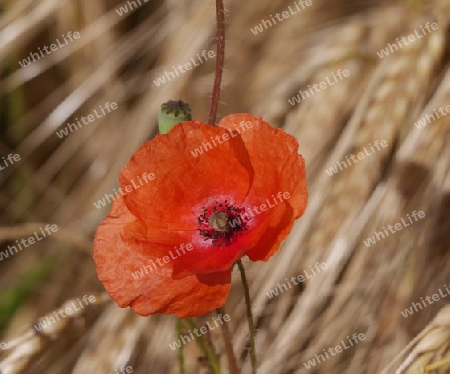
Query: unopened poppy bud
(172, 113)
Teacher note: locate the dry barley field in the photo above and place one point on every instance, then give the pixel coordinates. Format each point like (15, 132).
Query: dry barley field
(364, 86)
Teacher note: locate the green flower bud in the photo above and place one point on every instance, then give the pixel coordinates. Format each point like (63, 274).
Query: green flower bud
(172, 113)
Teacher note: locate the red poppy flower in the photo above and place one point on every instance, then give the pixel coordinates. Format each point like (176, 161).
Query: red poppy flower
(218, 193)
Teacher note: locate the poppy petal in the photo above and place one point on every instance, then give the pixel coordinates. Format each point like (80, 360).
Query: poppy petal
(207, 258)
(153, 291)
(279, 174)
(270, 242)
(182, 179)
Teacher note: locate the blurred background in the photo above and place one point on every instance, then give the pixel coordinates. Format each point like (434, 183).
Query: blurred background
(115, 54)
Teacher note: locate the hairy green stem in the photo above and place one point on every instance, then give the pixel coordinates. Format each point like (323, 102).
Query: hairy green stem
(181, 352)
(232, 362)
(206, 348)
(251, 326)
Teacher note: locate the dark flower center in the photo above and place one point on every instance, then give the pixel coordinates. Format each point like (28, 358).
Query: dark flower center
(221, 222)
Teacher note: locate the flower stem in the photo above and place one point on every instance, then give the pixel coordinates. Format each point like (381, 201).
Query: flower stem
(251, 326)
(220, 16)
(181, 353)
(232, 363)
(207, 349)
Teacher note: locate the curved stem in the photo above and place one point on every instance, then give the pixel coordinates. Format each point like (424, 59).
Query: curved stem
(220, 16)
(251, 326)
(232, 363)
